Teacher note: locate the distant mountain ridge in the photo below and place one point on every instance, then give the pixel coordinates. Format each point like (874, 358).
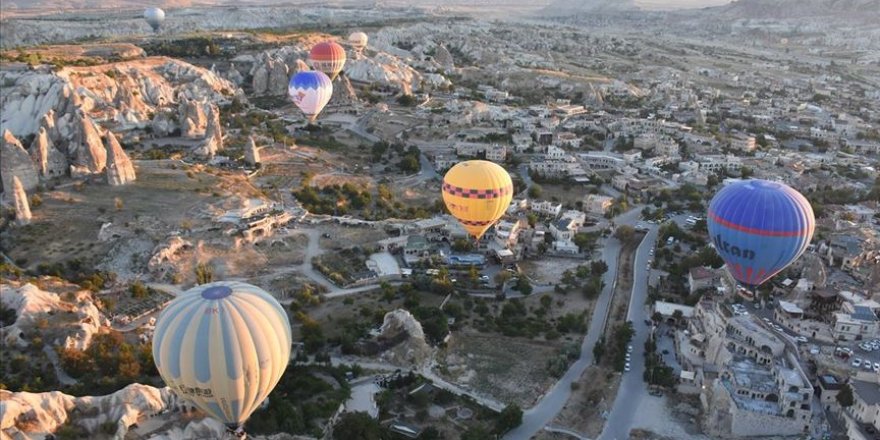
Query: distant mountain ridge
(782, 9)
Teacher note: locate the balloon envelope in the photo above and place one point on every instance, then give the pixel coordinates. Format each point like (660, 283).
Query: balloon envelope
(477, 193)
(223, 346)
(328, 57)
(358, 40)
(311, 91)
(759, 227)
(154, 17)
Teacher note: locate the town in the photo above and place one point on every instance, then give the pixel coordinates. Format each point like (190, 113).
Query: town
(142, 159)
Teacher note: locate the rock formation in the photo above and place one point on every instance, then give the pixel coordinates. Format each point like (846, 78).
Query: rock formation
(15, 162)
(443, 57)
(386, 70)
(119, 168)
(193, 120)
(251, 153)
(49, 161)
(20, 200)
(166, 255)
(343, 93)
(403, 333)
(47, 123)
(234, 76)
(31, 304)
(213, 135)
(86, 147)
(270, 76)
(26, 413)
(163, 123)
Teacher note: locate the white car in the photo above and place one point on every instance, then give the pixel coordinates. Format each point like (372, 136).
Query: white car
(801, 339)
(626, 367)
(857, 362)
(629, 348)
(876, 366)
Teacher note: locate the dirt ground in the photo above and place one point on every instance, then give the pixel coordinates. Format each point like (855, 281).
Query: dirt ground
(165, 197)
(347, 236)
(623, 288)
(508, 369)
(594, 393)
(334, 313)
(565, 194)
(549, 270)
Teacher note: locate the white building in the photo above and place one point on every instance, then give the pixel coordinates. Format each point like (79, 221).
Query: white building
(597, 204)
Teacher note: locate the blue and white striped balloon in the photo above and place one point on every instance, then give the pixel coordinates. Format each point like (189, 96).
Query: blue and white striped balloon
(223, 346)
(310, 90)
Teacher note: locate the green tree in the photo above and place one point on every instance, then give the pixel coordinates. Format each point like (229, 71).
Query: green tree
(510, 417)
(138, 290)
(204, 273)
(523, 286)
(845, 396)
(624, 233)
(357, 425)
(535, 191)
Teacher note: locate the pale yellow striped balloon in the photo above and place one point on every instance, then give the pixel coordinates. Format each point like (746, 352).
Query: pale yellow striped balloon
(223, 346)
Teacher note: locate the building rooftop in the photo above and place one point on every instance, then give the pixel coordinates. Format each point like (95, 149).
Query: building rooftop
(863, 313)
(701, 273)
(868, 392)
(830, 382)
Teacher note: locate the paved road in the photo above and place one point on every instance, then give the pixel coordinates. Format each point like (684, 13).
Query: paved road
(632, 388)
(535, 418)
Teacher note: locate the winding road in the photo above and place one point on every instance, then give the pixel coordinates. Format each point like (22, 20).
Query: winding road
(540, 415)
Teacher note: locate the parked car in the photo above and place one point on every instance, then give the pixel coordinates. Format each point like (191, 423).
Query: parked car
(857, 362)
(629, 348)
(801, 339)
(626, 367)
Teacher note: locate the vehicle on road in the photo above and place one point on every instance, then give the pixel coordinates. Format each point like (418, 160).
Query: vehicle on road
(626, 367)
(802, 339)
(629, 348)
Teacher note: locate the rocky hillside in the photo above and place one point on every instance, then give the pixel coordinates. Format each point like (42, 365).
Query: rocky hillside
(122, 94)
(31, 415)
(32, 304)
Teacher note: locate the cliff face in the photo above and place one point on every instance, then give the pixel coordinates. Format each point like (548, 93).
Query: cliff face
(119, 168)
(127, 93)
(25, 413)
(16, 163)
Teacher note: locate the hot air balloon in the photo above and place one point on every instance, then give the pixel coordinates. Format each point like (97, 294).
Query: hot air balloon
(310, 91)
(477, 193)
(328, 57)
(223, 346)
(759, 227)
(358, 41)
(154, 17)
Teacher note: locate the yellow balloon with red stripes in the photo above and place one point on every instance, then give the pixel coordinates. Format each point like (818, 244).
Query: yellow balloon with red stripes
(477, 193)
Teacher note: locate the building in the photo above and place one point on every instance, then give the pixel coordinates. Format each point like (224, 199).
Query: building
(854, 323)
(752, 400)
(567, 226)
(742, 142)
(714, 164)
(865, 410)
(703, 278)
(546, 208)
(596, 204)
(667, 309)
(829, 386)
(417, 249)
